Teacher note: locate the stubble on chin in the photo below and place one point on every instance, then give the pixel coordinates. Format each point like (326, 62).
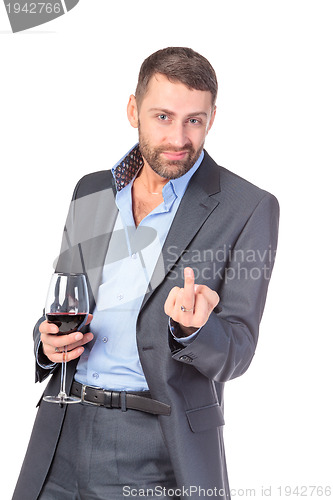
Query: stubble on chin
(166, 168)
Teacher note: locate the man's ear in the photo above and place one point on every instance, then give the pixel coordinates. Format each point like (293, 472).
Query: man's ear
(132, 112)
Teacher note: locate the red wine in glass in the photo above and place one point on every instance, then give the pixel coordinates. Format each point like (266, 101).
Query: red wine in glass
(66, 322)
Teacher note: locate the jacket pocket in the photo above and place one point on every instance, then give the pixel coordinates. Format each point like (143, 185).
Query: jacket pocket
(204, 418)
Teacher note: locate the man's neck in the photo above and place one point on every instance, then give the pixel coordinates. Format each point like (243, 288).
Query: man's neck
(152, 181)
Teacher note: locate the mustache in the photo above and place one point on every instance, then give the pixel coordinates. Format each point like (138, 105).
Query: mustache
(171, 149)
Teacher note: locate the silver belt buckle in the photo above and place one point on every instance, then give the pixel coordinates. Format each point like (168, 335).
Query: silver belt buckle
(83, 394)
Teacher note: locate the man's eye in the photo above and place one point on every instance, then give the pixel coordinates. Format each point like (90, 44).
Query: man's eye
(194, 121)
(163, 117)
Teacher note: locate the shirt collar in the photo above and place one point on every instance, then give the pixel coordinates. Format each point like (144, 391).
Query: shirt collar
(179, 185)
(127, 168)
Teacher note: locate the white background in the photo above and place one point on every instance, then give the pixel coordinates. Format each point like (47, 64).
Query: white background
(63, 93)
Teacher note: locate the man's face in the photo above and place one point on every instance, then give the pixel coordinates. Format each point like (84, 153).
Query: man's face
(173, 122)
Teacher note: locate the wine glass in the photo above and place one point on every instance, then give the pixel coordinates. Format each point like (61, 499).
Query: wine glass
(67, 306)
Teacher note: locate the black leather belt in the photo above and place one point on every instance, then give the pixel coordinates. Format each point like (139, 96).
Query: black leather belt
(124, 400)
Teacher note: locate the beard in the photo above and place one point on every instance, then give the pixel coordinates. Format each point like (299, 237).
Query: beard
(168, 169)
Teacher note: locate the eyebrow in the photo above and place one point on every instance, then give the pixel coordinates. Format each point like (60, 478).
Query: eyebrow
(171, 113)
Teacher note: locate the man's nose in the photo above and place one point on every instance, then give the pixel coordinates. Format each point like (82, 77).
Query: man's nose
(177, 136)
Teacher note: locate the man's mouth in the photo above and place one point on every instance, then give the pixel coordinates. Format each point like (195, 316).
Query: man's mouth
(174, 156)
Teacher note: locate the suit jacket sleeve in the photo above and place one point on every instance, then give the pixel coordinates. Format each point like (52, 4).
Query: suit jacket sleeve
(225, 345)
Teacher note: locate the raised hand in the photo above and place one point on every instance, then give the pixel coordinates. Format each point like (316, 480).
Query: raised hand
(192, 305)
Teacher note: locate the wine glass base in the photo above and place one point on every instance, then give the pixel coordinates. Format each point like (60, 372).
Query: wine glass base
(61, 399)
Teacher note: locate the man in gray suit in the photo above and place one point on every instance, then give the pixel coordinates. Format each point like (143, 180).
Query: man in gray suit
(178, 253)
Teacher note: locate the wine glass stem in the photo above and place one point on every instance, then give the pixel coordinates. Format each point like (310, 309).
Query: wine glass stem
(63, 373)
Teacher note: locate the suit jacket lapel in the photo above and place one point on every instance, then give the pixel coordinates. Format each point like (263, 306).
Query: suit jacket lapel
(194, 209)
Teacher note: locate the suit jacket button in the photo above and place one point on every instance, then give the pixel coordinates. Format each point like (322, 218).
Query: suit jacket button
(186, 358)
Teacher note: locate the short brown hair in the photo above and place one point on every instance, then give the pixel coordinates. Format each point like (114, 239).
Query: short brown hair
(178, 64)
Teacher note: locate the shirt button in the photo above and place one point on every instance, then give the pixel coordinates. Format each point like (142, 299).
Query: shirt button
(95, 375)
(120, 296)
(105, 339)
(134, 256)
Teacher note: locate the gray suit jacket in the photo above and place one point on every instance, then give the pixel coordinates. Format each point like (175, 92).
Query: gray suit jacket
(226, 230)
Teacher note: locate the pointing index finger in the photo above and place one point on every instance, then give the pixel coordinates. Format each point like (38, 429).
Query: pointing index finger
(188, 294)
